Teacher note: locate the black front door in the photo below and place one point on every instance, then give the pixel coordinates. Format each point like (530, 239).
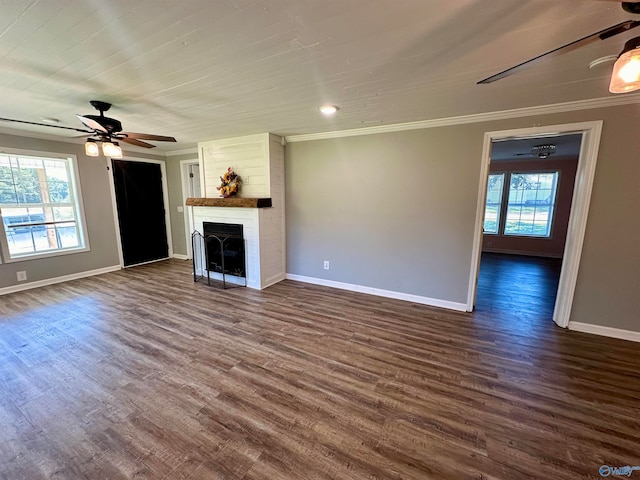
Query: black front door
(140, 204)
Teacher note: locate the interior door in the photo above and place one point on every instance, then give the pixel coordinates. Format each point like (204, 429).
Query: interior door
(141, 213)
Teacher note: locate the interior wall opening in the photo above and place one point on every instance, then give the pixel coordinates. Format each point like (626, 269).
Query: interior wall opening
(530, 188)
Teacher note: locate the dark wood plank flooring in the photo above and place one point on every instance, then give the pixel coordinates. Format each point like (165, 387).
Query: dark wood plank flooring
(144, 374)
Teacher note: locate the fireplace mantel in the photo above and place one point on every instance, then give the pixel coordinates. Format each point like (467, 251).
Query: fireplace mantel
(229, 202)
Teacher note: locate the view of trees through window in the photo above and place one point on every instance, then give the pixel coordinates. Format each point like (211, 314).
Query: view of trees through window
(494, 203)
(530, 202)
(39, 209)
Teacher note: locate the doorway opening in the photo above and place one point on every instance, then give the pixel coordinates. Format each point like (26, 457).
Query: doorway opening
(529, 192)
(533, 202)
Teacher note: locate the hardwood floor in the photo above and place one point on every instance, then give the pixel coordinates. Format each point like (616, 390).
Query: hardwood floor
(144, 374)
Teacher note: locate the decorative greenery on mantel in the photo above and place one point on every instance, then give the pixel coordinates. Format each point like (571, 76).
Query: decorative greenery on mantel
(229, 202)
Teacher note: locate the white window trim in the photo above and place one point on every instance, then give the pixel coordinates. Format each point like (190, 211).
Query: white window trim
(73, 166)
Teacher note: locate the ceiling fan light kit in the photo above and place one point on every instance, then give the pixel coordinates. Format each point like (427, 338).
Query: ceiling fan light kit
(91, 148)
(626, 71)
(111, 149)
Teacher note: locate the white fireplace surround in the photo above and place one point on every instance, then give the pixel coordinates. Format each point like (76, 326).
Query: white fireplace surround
(259, 161)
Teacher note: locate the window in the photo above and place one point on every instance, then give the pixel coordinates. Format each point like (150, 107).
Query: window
(39, 202)
(494, 202)
(530, 205)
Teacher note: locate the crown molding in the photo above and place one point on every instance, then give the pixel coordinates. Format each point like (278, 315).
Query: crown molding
(612, 101)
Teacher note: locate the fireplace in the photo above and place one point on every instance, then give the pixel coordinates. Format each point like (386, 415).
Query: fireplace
(224, 244)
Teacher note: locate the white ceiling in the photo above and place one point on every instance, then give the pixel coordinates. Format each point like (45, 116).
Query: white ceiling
(202, 69)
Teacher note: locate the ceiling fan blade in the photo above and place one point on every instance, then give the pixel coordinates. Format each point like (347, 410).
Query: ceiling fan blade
(92, 124)
(601, 35)
(44, 125)
(148, 136)
(135, 142)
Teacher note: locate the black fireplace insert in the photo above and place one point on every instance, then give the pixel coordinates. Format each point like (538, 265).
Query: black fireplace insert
(224, 248)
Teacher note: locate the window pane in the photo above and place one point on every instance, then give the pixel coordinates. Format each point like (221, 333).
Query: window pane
(531, 204)
(494, 200)
(67, 234)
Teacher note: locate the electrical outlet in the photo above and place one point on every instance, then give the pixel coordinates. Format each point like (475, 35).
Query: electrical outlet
(22, 276)
(180, 209)
(326, 264)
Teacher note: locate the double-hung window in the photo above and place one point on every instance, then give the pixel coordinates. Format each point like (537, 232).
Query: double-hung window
(40, 206)
(526, 208)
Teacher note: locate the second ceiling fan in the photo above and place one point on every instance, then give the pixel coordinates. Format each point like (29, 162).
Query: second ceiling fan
(626, 72)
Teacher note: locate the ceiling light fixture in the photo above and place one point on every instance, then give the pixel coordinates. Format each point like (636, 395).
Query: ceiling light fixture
(543, 151)
(328, 109)
(91, 148)
(626, 71)
(109, 148)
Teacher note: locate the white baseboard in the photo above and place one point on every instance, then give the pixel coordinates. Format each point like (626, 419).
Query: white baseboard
(179, 256)
(433, 302)
(605, 331)
(51, 281)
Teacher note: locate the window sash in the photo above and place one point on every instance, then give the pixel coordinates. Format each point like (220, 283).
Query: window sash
(531, 217)
(493, 209)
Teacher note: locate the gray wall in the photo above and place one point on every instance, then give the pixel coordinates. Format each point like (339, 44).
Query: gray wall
(396, 211)
(174, 184)
(96, 197)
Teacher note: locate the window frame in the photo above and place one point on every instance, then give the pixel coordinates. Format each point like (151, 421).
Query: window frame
(553, 204)
(77, 201)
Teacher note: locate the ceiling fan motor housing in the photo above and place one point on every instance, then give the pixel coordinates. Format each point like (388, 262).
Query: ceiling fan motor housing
(631, 7)
(110, 124)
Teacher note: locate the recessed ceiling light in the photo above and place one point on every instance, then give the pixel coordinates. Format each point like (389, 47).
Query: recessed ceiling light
(328, 109)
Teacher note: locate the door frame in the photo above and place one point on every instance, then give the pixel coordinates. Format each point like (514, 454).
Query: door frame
(165, 200)
(184, 180)
(591, 133)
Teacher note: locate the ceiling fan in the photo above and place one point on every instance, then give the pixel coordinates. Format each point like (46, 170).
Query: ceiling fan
(104, 130)
(626, 71)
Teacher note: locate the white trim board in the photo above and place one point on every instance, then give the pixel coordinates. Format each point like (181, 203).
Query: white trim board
(605, 331)
(54, 280)
(432, 302)
(179, 256)
(612, 101)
